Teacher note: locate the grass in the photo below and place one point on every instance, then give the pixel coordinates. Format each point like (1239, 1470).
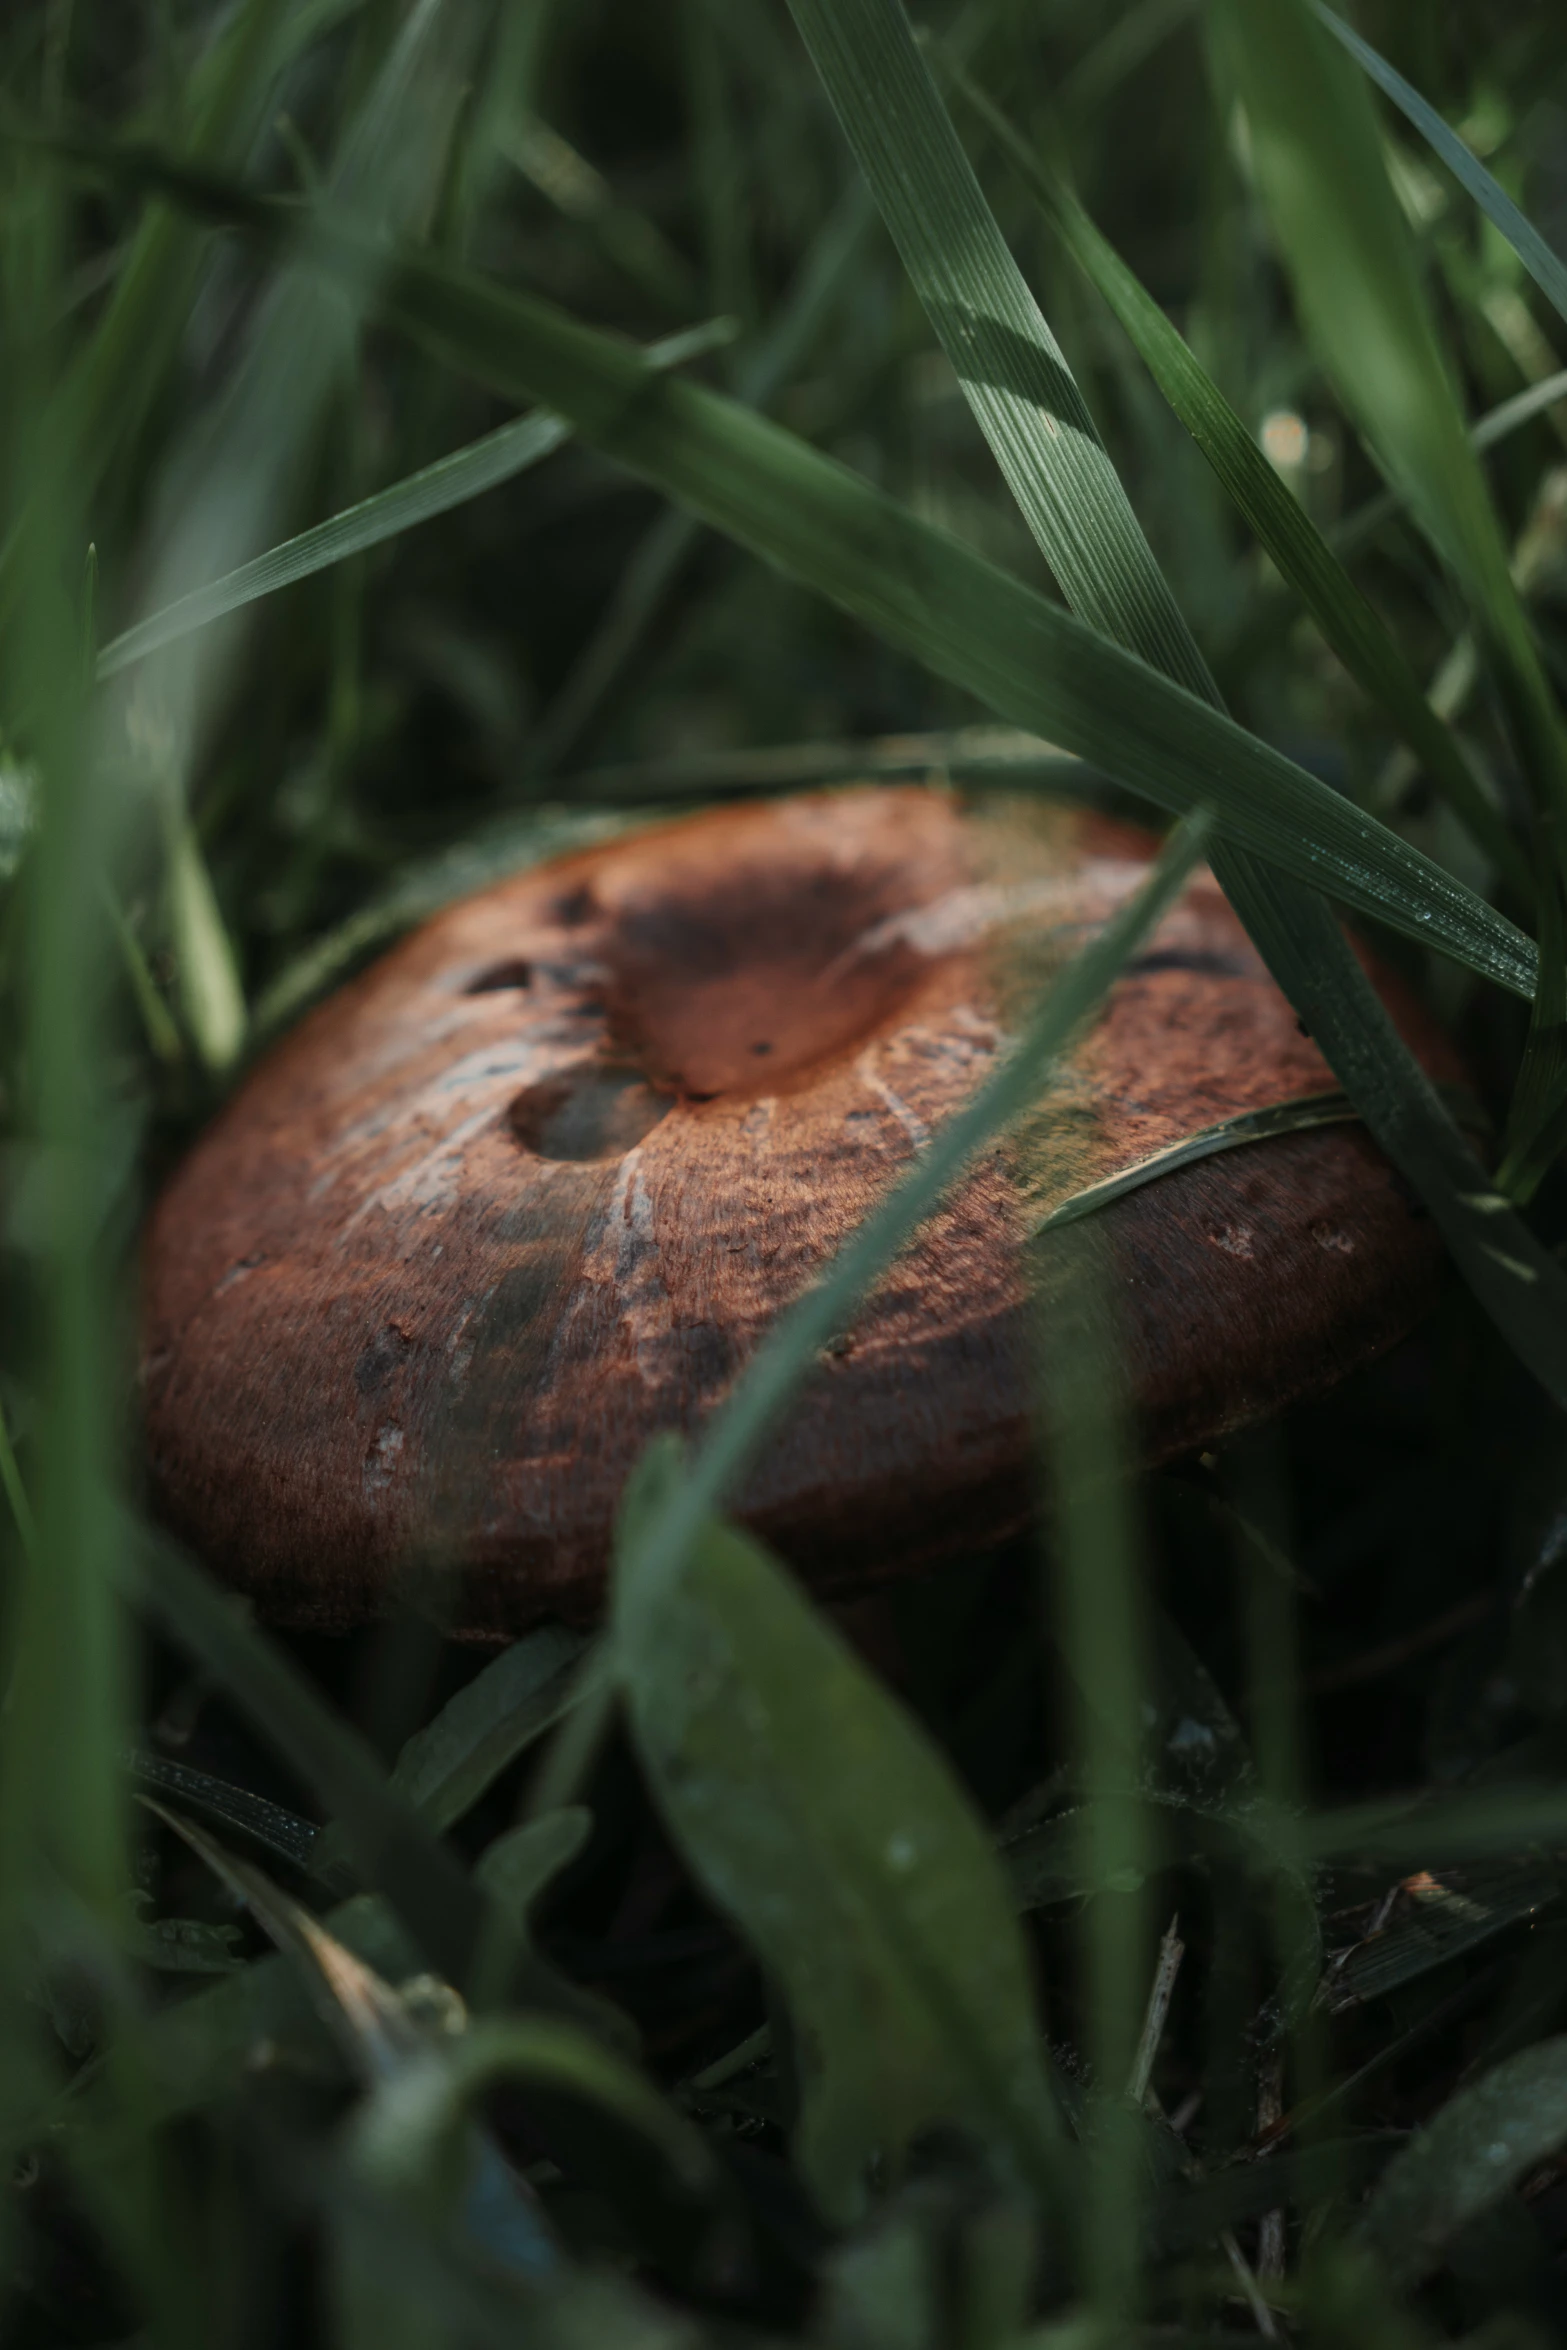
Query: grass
(435, 433)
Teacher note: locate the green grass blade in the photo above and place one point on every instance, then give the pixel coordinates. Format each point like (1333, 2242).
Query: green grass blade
(435, 489)
(1546, 267)
(400, 2135)
(1012, 370)
(446, 1766)
(1032, 414)
(1482, 2144)
(1494, 428)
(16, 1495)
(1351, 625)
(206, 971)
(391, 1846)
(1033, 664)
(886, 1920)
(68, 1688)
(1238, 1133)
(1094, 1592)
(1318, 160)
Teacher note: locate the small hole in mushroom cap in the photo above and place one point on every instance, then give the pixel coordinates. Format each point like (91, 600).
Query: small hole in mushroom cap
(499, 977)
(595, 1111)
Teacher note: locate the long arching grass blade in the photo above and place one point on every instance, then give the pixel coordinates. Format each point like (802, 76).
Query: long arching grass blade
(1351, 625)
(435, 489)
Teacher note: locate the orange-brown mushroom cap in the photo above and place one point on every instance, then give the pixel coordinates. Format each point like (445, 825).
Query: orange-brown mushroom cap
(532, 1188)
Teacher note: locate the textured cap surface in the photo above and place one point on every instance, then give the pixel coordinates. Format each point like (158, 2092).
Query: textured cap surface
(532, 1187)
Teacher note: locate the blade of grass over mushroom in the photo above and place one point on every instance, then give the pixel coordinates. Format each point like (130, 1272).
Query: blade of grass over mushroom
(1351, 625)
(435, 489)
(1482, 2144)
(886, 1921)
(391, 1845)
(789, 1351)
(1545, 266)
(1045, 442)
(1246, 1127)
(507, 846)
(967, 620)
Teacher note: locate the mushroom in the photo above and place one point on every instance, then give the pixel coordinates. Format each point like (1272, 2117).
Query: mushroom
(532, 1187)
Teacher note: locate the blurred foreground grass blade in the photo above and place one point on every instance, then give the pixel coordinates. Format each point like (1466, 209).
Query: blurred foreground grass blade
(390, 1844)
(1546, 267)
(884, 1917)
(206, 974)
(1483, 2143)
(407, 2133)
(1351, 625)
(1095, 1606)
(921, 589)
(435, 489)
(64, 1721)
(1034, 418)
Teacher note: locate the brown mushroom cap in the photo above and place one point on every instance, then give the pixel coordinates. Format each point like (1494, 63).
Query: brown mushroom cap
(532, 1188)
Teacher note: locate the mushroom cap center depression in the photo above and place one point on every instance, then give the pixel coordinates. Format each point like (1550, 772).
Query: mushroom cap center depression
(735, 984)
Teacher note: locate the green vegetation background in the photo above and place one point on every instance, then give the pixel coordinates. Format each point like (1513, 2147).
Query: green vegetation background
(370, 1993)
